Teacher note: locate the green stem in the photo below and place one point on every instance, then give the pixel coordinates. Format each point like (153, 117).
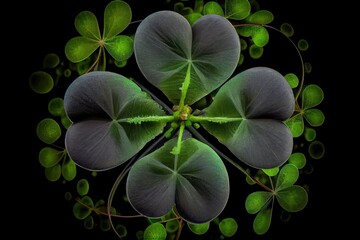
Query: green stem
(185, 87)
(176, 150)
(139, 120)
(214, 119)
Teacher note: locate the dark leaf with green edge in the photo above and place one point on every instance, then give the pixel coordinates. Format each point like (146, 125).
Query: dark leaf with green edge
(196, 181)
(68, 169)
(53, 173)
(255, 52)
(312, 96)
(257, 200)
(207, 53)
(293, 198)
(49, 156)
(262, 221)
(199, 229)
(213, 7)
(253, 105)
(237, 9)
(296, 125)
(99, 104)
(155, 231)
(315, 117)
(288, 175)
(120, 47)
(89, 222)
(228, 227)
(83, 210)
(87, 25)
(78, 49)
(172, 226)
(260, 17)
(48, 130)
(117, 16)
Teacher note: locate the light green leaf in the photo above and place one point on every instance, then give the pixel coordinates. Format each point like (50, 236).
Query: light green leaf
(257, 200)
(237, 9)
(117, 16)
(315, 117)
(293, 198)
(288, 175)
(120, 47)
(155, 231)
(87, 25)
(312, 96)
(262, 221)
(78, 49)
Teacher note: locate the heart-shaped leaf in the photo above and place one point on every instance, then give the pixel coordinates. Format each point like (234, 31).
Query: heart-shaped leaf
(99, 105)
(117, 17)
(288, 175)
(168, 49)
(293, 198)
(254, 105)
(195, 182)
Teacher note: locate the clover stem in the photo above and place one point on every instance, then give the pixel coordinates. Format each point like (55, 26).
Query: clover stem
(213, 119)
(185, 87)
(139, 120)
(176, 150)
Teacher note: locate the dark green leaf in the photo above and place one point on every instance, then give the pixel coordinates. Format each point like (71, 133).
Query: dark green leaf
(293, 198)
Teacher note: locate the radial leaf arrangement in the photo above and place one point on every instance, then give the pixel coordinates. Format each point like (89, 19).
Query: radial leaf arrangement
(117, 17)
(174, 158)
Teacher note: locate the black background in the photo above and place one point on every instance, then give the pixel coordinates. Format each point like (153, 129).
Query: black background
(36, 208)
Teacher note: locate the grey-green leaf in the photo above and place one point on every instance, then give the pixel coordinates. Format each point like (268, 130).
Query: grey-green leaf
(259, 99)
(196, 181)
(165, 45)
(99, 104)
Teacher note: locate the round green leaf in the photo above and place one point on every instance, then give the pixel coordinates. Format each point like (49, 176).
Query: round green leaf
(68, 169)
(260, 17)
(257, 100)
(262, 221)
(51, 60)
(82, 187)
(196, 181)
(271, 171)
(48, 130)
(87, 25)
(228, 227)
(315, 117)
(292, 79)
(293, 198)
(210, 50)
(256, 201)
(100, 105)
(288, 175)
(312, 96)
(78, 49)
(117, 17)
(49, 156)
(199, 229)
(53, 173)
(120, 47)
(296, 125)
(213, 7)
(309, 134)
(56, 106)
(41, 82)
(316, 149)
(237, 9)
(260, 36)
(287, 29)
(155, 231)
(82, 211)
(298, 159)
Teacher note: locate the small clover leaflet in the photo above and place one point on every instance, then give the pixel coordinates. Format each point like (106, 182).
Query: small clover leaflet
(311, 96)
(117, 17)
(291, 197)
(113, 119)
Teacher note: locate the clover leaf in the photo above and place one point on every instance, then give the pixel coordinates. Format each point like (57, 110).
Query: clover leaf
(117, 17)
(100, 104)
(311, 96)
(167, 52)
(253, 105)
(291, 197)
(195, 182)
